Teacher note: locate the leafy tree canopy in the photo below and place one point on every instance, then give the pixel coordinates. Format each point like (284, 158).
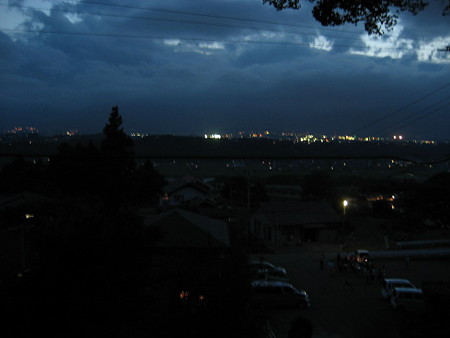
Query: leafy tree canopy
(376, 15)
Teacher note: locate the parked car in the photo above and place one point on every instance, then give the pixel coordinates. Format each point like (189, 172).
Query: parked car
(278, 294)
(388, 285)
(407, 299)
(262, 268)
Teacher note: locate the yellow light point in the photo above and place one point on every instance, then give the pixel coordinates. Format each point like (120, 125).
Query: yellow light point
(184, 294)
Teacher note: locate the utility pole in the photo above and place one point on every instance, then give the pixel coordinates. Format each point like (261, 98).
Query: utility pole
(248, 206)
(22, 246)
(344, 204)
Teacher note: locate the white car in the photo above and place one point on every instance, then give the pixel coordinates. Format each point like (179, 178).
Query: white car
(278, 294)
(388, 285)
(407, 299)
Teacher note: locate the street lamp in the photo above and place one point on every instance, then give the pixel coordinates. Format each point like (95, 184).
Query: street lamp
(344, 203)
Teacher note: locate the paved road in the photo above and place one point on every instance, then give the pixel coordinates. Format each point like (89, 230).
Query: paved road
(340, 311)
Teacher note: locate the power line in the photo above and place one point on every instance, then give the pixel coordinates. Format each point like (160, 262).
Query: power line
(212, 16)
(202, 23)
(401, 109)
(150, 37)
(178, 12)
(175, 20)
(413, 119)
(407, 118)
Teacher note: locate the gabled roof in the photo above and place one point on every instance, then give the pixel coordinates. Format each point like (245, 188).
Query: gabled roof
(187, 181)
(184, 229)
(25, 198)
(295, 212)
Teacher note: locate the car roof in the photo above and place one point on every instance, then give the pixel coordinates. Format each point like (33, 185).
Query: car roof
(263, 283)
(410, 290)
(397, 280)
(260, 262)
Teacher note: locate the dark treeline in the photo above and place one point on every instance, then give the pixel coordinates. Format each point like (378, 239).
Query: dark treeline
(84, 251)
(88, 265)
(170, 146)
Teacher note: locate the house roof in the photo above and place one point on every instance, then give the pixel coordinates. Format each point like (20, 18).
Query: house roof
(184, 229)
(25, 198)
(294, 212)
(187, 181)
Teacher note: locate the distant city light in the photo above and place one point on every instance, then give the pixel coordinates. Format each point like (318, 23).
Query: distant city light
(213, 136)
(29, 133)
(71, 132)
(23, 130)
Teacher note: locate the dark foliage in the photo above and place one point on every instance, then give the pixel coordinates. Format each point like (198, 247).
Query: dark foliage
(376, 15)
(118, 164)
(215, 293)
(85, 256)
(147, 184)
(117, 147)
(77, 170)
(86, 280)
(22, 175)
(109, 172)
(428, 203)
(90, 269)
(318, 185)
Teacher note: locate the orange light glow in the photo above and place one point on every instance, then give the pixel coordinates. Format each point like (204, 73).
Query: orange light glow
(184, 294)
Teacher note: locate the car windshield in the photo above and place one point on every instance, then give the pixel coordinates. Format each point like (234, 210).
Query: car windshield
(263, 264)
(402, 285)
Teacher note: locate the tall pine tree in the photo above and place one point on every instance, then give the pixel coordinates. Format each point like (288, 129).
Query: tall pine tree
(118, 162)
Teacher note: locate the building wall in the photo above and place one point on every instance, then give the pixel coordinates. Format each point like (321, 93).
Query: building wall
(294, 234)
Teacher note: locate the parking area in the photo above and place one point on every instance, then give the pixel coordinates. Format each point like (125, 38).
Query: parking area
(345, 304)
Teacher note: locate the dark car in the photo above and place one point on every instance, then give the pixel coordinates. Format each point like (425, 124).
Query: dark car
(262, 268)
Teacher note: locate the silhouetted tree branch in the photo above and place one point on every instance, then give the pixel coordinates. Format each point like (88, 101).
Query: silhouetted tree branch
(377, 15)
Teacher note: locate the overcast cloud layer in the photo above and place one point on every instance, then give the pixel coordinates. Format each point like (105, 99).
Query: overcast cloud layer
(217, 66)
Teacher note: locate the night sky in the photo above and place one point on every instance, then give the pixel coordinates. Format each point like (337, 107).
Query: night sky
(217, 66)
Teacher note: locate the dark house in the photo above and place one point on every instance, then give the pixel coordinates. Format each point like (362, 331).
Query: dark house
(182, 190)
(181, 229)
(191, 255)
(280, 223)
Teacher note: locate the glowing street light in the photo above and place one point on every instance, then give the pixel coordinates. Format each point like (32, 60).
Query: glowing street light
(344, 204)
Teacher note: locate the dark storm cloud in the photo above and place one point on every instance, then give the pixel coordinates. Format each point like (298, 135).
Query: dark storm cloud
(428, 23)
(171, 76)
